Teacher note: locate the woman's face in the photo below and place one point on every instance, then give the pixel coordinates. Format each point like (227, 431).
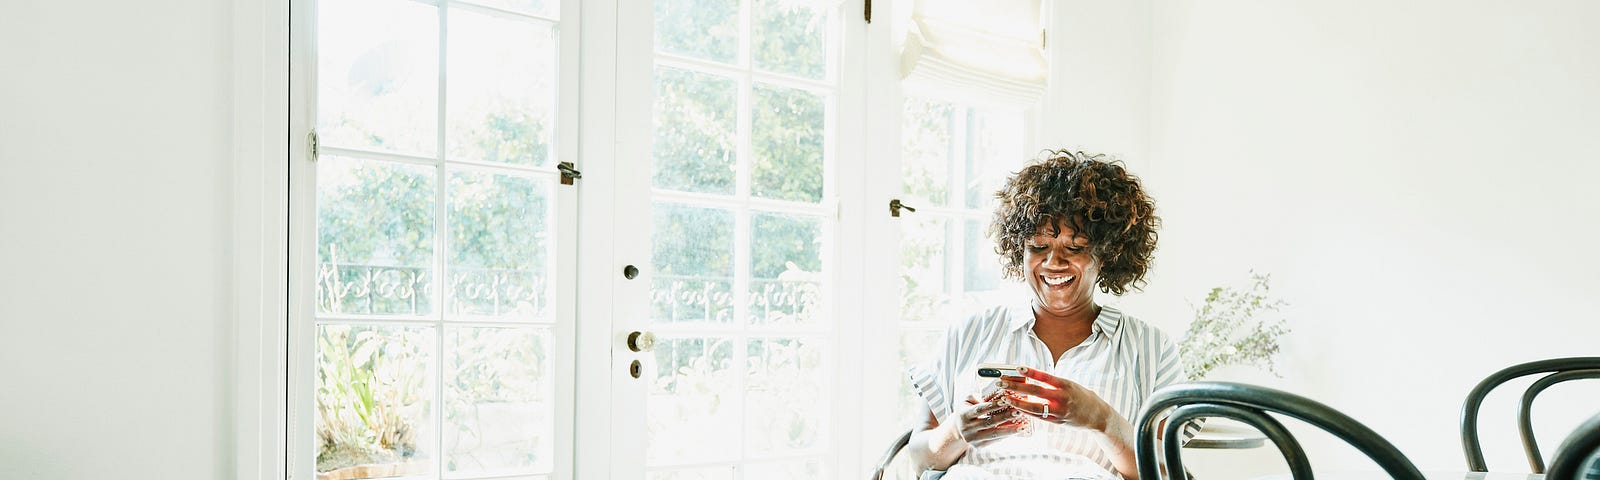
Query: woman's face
(1060, 269)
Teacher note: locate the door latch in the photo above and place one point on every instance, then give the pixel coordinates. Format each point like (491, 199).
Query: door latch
(895, 206)
(568, 174)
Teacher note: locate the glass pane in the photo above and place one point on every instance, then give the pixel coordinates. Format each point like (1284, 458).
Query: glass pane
(712, 473)
(786, 396)
(915, 345)
(790, 37)
(498, 407)
(374, 400)
(696, 131)
(924, 269)
(707, 29)
(789, 128)
(792, 469)
(374, 237)
(786, 263)
(502, 79)
(500, 242)
(925, 150)
(982, 264)
(693, 259)
(693, 412)
(543, 8)
(996, 147)
(378, 75)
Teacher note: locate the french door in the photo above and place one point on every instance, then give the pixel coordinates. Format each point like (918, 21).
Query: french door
(434, 237)
(745, 116)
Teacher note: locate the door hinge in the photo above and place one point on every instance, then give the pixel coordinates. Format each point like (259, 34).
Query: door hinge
(311, 145)
(868, 12)
(568, 174)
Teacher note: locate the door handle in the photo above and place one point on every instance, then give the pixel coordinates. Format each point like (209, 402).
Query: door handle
(641, 341)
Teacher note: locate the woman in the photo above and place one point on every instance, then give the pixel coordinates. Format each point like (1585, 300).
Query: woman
(1065, 226)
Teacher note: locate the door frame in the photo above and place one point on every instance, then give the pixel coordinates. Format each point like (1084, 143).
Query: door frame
(260, 179)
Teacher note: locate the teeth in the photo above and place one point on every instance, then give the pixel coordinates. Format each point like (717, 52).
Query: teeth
(1057, 280)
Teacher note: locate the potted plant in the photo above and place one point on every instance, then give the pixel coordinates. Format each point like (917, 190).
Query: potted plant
(1233, 326)
(368, 393)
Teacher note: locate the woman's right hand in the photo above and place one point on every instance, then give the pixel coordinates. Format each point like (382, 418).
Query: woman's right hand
(987, 420)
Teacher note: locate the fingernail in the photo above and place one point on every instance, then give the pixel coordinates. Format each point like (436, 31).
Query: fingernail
(1005, 384)
(1022, 369)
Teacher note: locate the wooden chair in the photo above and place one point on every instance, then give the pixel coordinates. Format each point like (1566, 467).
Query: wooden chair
(1560, 370)
(1251, 404)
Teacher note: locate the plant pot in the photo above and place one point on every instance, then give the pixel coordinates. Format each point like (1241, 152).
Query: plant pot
(373, 470)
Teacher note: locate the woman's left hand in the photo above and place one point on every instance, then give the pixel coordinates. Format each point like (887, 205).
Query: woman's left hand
(1063, 401)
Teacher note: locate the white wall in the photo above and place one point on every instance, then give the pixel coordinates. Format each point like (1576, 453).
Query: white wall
(1099, 97)
(114, 138)
(1418, 177)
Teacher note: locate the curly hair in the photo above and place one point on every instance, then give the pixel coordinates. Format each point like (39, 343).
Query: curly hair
(1097, 197)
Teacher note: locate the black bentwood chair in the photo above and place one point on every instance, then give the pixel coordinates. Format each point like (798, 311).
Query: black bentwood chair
(1250, 404)
(1579, 447)
(888, 456)
(1560, 370)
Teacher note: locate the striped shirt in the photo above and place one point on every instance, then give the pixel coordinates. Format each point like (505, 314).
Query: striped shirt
(1124, 360)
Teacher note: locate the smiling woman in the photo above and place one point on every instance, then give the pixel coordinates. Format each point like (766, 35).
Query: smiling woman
(1065, 226)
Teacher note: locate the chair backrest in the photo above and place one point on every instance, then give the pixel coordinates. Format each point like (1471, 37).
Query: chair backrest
(888, 456)
(1579, 446)
(1250, 404)
(1560, 370)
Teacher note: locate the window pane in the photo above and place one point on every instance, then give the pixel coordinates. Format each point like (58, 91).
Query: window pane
(790, 37)
(982, 264)
(378, 75)
(926, 150)
(693, 411)
(996, 147)
(693, 259)
(786, 396)
(707, 29)
(789, 128)
(499, 246)
(374, 237)
(696, 130)
(924, 267)
(374, 400)
(502, 77)
(543, 8)
(497, 406)
(786, 263)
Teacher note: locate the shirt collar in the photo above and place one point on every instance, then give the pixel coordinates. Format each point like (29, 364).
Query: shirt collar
(1105, 324)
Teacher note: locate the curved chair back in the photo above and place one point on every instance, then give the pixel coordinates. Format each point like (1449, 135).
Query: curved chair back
(1250, 404)
(1560, 370)
(888, 456)
(1579, 446)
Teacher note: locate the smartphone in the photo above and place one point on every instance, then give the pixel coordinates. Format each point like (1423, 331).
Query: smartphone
(997, 370)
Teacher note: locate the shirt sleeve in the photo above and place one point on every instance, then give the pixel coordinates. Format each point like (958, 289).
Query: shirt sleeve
(1169, 370)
